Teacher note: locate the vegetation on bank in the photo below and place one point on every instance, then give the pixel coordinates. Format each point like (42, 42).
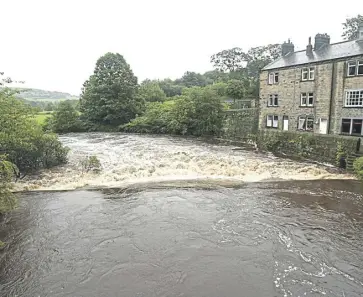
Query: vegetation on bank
(358, 167)
(24, 146)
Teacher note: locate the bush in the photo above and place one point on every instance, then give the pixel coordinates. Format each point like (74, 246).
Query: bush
(7, 172)
(65, 119)
(358, 167)
(197, 112)
(22, 139)
(91, 163)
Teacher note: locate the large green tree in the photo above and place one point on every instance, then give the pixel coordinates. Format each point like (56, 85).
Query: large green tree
(350, 27)
(109, 96)
(192, 79)
(150, 91)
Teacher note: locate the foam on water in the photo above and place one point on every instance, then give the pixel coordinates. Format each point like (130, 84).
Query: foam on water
(131, 159)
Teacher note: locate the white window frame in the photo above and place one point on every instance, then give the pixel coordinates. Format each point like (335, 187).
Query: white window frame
(310, 96)
(351, 126)
(359, 64)
(304, 120)
(272, 99)
(308, 72)
(348, 100)
(272, 121)
(354, 64)
(272, 78)
(307, 96)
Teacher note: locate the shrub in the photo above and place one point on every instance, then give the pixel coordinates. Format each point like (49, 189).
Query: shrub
(7, 172)
(64, 119)
(358, 167)
(91, 163)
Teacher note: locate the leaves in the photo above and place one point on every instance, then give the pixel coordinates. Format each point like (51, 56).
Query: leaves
(109, 96)
(350, 27)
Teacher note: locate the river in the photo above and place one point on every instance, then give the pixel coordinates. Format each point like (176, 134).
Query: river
(179, 217)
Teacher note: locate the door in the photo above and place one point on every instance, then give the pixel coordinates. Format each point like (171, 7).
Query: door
(285, 122)
(323, 126)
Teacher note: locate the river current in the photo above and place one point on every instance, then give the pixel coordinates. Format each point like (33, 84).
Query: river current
(179, 217)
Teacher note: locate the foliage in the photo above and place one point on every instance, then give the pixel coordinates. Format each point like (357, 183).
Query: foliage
(192, 79)
(170, 88)
(2, 244)
(150, 91)
(23, 140)
(7, 172)
(236, 89)
(109, 97)
(240, 124)
(350, 27)
(186, 115)
(64, 119)
(358, 167)
(91, 163)
(321, 148)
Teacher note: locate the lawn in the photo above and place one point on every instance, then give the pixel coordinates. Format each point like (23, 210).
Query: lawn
(42, 116)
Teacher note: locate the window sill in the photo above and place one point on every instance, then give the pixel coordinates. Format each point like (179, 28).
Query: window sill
(272, 127)
(306, 106)
(352, 106)
(309, 131)
(272, 105)
(307, 80)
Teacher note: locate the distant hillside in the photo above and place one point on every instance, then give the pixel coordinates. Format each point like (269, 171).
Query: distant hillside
(37, 94)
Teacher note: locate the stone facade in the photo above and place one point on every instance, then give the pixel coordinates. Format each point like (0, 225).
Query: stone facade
(329, 88)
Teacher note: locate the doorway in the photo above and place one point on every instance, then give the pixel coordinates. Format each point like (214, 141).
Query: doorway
(323, 126)
(285, 123)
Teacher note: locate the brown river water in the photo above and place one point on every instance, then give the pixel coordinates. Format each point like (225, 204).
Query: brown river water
(178, 217)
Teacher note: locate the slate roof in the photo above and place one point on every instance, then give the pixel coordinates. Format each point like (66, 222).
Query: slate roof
(333, 51)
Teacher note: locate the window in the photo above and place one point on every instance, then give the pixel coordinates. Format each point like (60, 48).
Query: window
(354, 98)
(352, 126)
(308, 73)
(273, 78)
(360, 68)
(272, 121)
(355, 68)
(273, 100)
(307, 99)
(306, 123)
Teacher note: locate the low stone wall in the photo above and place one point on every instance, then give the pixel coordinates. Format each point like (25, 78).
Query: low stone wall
(330, 149)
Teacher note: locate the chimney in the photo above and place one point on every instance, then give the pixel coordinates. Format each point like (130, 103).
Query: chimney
(360, 31)
(321, 41)
(309, 48)
(287, 48)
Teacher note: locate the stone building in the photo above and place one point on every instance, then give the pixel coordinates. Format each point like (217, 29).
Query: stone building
(318, 90)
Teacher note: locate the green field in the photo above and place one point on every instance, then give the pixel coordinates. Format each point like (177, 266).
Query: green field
(42, 116)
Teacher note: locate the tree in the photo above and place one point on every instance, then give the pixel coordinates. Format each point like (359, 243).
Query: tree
(192, 79)
(229, 60)
(109, 96)
(236, 89)
(150, 91)
(22, 140)
(170, 88)
(65, 118)
(351, 27)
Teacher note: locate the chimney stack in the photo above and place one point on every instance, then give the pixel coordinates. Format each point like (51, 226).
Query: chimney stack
(321, 41)
(309, 48)
(287, 48)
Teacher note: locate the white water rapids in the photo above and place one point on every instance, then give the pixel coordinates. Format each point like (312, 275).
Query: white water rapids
(128, 159)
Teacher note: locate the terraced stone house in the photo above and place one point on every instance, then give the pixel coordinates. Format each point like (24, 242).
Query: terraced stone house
(318, 90)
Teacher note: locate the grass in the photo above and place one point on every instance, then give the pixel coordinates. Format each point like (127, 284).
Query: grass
(2, 244)
(42, 116)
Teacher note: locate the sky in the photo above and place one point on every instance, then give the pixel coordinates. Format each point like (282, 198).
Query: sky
(54, 44)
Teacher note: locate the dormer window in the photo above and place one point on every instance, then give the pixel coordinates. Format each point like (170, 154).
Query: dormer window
(273, 78)
(308, 73)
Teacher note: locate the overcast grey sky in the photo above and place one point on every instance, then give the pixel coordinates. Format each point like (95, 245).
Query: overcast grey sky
(54, 44)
